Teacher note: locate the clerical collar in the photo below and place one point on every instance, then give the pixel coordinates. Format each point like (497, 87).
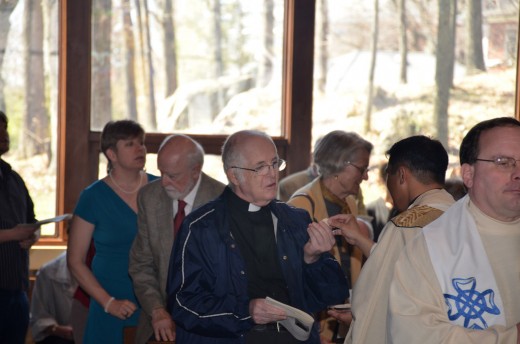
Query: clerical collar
(239, 204)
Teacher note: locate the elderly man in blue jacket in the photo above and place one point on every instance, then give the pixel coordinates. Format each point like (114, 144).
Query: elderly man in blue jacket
(245, 246)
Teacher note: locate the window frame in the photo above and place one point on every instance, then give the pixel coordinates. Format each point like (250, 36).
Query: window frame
(78, 149)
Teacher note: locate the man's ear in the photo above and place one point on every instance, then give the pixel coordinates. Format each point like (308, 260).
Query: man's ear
(403, 174)
(232, 177)
(195, 171)
(467, 172)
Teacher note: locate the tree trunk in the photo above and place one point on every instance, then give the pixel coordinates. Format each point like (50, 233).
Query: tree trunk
(142, 55)
(373, 57)
(131, 104)
(474, 53)
(444, 66)
(403, 42)
(51, 34)
(35, 138)
(322, 39)
(101, 111)
(6, 8)
(217, 99)
(150, 120)
(266, 65)
(170, 53)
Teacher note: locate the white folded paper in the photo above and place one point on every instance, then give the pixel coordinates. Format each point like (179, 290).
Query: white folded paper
(298, 323)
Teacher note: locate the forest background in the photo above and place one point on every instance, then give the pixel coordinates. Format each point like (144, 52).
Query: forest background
(386, 69)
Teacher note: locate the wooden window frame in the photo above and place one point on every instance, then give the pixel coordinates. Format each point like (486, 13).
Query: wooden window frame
(78, 149)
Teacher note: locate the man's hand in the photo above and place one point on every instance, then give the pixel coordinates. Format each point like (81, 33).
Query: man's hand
(61, 331)
(342, 316)
(263, 313)
(163, 325)
(23, 232)
(321, 240)
(27, 243)
(354, 231)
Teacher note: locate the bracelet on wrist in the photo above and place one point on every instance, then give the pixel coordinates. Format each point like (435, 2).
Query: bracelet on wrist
(108, 303)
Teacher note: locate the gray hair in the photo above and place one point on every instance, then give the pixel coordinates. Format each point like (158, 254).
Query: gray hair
(231, 152)
(336, 148)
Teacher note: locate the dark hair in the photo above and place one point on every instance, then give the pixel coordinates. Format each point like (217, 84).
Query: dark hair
(469, 148)
(336, 148)
(425, 157)
(3, 117)
(118, 130)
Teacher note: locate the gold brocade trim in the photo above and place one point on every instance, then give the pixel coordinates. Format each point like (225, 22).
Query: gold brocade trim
(418, 216)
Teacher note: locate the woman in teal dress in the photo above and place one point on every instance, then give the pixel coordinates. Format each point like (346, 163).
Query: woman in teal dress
(107, 213)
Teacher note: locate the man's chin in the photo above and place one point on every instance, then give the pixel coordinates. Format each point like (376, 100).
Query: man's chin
(173, 194)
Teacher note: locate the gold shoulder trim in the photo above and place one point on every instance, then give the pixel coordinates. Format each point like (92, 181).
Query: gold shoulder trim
(418, 216)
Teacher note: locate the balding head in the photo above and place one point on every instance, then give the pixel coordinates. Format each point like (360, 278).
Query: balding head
(183, 146)
(180, 160)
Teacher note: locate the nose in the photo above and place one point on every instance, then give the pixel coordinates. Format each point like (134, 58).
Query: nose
(516, 171)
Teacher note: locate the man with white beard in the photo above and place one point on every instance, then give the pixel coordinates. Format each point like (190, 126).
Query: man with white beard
(162, 205)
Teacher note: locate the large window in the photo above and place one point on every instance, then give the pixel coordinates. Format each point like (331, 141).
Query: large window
(236, 64)
(28, 96)
(198, 67)
(391, 69)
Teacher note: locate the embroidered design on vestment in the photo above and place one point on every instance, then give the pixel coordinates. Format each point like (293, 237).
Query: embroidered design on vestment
(470, 304)
(418, 216)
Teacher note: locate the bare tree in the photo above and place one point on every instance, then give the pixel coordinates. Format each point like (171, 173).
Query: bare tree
(101, 67)
(131, 103)
(403, 41)
(6, 8)
(373, 57)
(322, 28)
(266, 65)
(444, 66)
(170, 52)
(474, 55)
(150, 120)
(35, 138)
(50, 46)
(217, 99)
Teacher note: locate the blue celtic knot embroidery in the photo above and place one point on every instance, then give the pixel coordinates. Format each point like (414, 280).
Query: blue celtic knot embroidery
(470, 304)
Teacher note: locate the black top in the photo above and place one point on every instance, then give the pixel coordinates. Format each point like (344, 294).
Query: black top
(254, 234)
(16, 207)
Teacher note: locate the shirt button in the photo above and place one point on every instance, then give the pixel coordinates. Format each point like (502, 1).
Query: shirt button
(232, 245)
(285, 258)
(242, 272)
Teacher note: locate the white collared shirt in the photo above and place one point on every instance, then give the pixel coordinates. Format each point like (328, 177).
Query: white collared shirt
(189, 199)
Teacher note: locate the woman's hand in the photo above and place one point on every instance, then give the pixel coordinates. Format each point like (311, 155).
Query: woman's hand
(122, 309)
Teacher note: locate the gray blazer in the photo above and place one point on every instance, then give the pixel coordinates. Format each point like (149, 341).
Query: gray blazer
(150, 252)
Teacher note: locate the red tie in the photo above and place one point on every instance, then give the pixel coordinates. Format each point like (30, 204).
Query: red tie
(179, 216)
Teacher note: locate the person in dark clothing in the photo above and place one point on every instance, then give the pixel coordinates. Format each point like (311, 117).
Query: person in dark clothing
(16, 237)
(245, 246)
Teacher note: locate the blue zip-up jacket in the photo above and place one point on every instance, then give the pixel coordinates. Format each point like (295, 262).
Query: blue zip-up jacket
(207, 280)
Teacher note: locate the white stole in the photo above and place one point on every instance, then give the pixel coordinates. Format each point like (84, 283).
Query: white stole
(463, 269)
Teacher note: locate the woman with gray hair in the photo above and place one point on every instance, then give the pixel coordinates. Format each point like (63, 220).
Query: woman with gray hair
(342, 159)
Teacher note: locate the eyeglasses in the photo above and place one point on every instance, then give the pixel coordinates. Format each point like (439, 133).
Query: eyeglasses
(503, 162)
(360, 169)
(263, 170)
